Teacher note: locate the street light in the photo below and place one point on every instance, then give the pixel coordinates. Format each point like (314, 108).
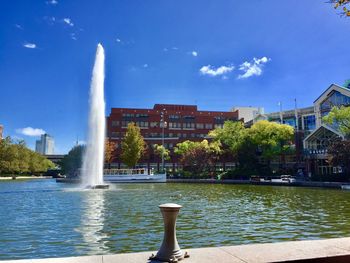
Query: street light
(163, 123)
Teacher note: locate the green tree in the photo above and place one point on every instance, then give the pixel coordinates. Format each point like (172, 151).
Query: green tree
(24, 157)
(198, 157)
(133, 145)
(160, 151)
(271, 138)
(73, 160)
(339, 116)
(232, 136)
(16, 158)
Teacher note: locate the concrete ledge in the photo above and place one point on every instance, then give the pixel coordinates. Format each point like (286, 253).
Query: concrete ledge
(328, 250)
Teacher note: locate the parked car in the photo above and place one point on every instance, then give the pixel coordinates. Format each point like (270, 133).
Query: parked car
(255, 178)
(288, 178)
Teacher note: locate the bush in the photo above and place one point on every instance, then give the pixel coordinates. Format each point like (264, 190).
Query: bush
(238, 174)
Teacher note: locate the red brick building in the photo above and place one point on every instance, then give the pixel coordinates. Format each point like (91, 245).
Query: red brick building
(182, 122)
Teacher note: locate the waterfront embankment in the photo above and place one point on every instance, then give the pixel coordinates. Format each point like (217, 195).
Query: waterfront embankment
(327, 250)
(336, 185)
(5, 178)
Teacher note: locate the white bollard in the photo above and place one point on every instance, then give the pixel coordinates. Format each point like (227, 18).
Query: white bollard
(170, 250)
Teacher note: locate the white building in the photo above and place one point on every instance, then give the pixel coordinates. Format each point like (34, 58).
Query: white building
(248, 113)
(45, 145)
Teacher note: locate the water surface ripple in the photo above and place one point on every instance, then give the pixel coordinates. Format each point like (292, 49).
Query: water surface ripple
(41, 219)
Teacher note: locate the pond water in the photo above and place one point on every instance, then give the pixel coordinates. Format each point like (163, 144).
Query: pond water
(40, 218)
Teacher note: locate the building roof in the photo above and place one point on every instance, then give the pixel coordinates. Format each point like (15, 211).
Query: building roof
(330, 88)
(315, 135)
(290, 113)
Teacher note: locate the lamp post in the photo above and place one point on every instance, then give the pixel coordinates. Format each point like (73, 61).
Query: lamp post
(163, 125)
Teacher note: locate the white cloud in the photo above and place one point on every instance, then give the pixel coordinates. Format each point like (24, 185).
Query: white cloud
(29, 131)
(253, 68)
(211, 71)
(194, 53)
(52, 2)
(73, 36)
(68, 21)
(29, 45)
(19, 26)
(118, 40)
(145, 65)
(50, 19)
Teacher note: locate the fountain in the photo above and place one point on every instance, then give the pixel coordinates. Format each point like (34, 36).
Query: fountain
(92, 172)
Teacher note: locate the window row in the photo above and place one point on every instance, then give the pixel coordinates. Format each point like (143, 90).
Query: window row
(171, 125)
(159, 135)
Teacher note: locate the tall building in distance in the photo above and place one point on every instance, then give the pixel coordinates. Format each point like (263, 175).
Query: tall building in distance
(1, 131)
(45, 145)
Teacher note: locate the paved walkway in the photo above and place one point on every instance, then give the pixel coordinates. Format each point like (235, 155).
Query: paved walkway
(328, 250)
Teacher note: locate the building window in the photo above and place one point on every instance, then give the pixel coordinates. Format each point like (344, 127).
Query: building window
(219, 119)
(189, 118)
(174, 125)
(115, 134)
(335, 99)
(128, 115)
(125, 124)
(209, 126)
(115, 123)
(142, 124)
(174, 117)
(154, 135)
(188, 125)
(200, 126)
(309, 122)
(290, 122)
(141, 115)
(153, 124)
(218, 125)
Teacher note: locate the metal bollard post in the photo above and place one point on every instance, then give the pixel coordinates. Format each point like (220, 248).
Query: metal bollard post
(170, 250)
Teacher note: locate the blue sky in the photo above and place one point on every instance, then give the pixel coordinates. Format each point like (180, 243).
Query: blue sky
(216, 54)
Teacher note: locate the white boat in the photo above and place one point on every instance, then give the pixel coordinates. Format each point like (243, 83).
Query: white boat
(132, 176)
(345, 186)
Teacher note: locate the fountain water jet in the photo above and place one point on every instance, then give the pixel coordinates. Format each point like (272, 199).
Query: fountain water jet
(92, 172)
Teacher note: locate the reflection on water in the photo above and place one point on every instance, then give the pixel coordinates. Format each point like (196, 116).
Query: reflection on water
(92, 221)
(44, 219)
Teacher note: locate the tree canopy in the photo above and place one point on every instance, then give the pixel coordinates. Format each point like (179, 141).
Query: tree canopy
(339, 116)
(231, 135)
(110, 148)
(343, 5)
(339, 152)
(160, 150)
(133, 145)
(198, 157)
(16, 158)
(272, 138)
(73, 160)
